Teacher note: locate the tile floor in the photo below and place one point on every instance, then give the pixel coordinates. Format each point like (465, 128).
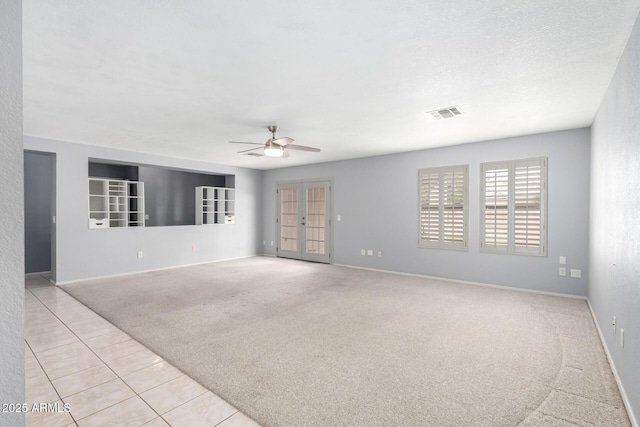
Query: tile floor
(74, 357)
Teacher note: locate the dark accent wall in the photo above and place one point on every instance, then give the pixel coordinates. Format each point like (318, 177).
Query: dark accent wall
(170, 195)
(105, 170)
(38, 174)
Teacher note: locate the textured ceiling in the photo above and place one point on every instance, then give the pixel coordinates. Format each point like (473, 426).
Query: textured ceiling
(355, 79)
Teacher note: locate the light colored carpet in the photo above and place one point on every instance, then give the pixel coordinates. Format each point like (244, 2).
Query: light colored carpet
(301, 344)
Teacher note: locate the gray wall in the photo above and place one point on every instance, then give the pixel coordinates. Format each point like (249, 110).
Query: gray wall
(38, 172)
(83, 253)
(614, 285)
(11, 206)
(377, 200)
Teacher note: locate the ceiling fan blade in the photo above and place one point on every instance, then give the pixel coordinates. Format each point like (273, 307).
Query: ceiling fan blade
(250, 149)
(302, 148)
(282, 141)
(285, 154)
(240, 142)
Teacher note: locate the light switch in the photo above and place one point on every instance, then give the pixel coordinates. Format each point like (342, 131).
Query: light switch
(338, 217)
(563, 259)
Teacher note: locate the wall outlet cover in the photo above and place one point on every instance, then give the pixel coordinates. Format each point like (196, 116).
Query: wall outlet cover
(562, 271)
(563, 259)
(576, 273)
(370, 252)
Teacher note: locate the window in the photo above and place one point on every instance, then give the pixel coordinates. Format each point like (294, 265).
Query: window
(514, 207)
(443, 207)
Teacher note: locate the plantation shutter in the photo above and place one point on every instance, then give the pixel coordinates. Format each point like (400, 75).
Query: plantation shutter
(443, 213)
(453, 206)
(514, 207)
(496, 207)
(528, 206)
(429, 207)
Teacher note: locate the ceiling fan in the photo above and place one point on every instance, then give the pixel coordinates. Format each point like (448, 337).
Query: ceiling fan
(274, 147)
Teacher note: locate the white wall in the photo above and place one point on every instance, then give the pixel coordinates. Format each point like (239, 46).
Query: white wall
(614, 285)
(11, 207)
(377, 200)
(82, 253)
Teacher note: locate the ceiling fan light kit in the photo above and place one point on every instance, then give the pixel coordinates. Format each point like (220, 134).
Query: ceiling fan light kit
(273, 150)
(275, 147)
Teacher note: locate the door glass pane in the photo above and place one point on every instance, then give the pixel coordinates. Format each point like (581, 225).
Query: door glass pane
(289, 220)
(315, 235)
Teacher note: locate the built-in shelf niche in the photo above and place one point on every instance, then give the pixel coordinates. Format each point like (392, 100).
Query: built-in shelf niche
(166, 196)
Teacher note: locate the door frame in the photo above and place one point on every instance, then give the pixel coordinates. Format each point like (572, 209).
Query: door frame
(329, 213)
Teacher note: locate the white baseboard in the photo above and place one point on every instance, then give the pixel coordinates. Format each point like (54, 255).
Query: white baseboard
(66, 282)
(465, 282)
(625, 399)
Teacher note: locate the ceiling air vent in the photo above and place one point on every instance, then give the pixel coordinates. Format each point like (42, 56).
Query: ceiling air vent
(446, 113)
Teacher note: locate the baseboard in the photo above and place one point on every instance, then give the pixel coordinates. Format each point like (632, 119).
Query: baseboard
(39, 273)
(465, 282)
(625, 399)
(66, 282)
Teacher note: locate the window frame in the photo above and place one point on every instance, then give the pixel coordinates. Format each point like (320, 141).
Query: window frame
(511, 166)
(441, 243)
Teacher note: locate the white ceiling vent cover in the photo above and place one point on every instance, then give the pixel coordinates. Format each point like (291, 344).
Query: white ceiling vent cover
(446, 113)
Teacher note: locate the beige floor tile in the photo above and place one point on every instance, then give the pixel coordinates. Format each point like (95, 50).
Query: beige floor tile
(134, 362)
(87, 325)
(38, 316)
(47, 342)
(27, 350)
(71, 365)
(61, 306)
(98, 398)
(55, 327)
(32, 368)
(205, 410)
(49, 419)
(39, 390)
(172, 394)
(131, 412)
(48, 357)
(77, 314)
(83, 380)
(152, 376)
(91, 331)
(238, 420)
(156, 422)
(106, 340)
(119, 350)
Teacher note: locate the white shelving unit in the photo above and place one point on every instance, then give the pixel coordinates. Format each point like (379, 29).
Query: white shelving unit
(115, 203)
(215, 205)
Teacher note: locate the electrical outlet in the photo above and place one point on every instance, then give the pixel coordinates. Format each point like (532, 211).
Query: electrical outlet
(140, 254)
(363, 252)
(613, 324)
(338, 217)
(575, 273)
(370, 252)
(562, 271)
(193, 249)
(264, 242)
(379, 254)
(563, 259)
(621, 337)
(271, 242)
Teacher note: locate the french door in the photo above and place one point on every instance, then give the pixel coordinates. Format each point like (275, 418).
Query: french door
(304, 220)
